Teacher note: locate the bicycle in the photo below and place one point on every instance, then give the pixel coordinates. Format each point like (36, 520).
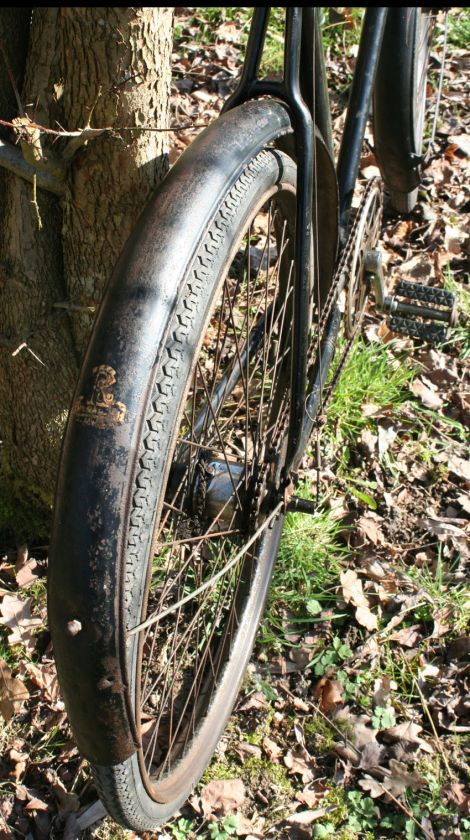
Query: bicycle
(206, 373)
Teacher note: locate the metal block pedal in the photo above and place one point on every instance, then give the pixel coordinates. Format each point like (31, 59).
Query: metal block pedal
(407, 317)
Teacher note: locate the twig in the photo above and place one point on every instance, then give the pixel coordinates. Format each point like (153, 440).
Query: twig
(407, 812)
(436, 736)
(34, 202)
(97, 131)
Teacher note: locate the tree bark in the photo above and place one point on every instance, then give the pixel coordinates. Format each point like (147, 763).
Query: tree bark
(98, 67)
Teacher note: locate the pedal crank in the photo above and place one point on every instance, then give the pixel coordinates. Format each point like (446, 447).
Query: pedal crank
(416, 320)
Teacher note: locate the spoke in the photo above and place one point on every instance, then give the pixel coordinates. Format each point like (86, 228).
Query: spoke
(221, 441)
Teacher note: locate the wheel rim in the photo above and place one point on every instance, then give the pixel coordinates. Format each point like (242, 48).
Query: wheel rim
(423, 43)
(226, 468)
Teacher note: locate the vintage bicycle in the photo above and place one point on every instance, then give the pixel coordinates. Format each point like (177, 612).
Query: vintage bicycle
(206, 373)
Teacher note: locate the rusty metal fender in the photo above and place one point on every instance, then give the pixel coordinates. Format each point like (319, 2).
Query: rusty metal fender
(88, 547)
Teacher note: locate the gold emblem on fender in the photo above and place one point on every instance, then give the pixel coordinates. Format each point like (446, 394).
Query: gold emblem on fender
(101, 409)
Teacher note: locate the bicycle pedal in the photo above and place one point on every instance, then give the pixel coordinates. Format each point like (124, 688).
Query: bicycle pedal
(417, 329)
(414, 319)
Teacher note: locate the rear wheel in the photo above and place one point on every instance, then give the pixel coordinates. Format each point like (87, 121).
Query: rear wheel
(399, 106)
(205, 519)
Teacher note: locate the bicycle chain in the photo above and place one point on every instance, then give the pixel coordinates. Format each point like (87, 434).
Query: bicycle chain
(339, 282)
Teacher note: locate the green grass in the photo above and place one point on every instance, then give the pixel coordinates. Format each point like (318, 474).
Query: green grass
(372, 376)
(459, 28)
(306, 572)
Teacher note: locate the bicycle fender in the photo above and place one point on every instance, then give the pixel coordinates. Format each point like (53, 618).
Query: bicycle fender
(99, 452)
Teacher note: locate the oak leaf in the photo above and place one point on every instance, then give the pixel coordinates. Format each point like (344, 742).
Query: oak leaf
(16, 614)
(13, 692)
(222, 796)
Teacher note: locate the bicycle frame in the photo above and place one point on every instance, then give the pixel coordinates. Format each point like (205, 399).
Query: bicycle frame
(304, 90)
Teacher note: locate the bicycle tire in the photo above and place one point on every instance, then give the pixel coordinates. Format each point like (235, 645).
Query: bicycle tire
(399, 103)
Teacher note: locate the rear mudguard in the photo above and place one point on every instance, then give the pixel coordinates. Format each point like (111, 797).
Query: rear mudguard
(87, 558)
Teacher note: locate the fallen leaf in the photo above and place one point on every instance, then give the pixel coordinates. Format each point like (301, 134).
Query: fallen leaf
(20, 760)
(16, 614)
(428, 397)
(407, 731)
(368, 526)
(272, 749)
(459, 467)
(407, 636)
(366, 618)
(353, 593)
(24, 567)
(307, 797)
(383, 687)
(44, 675)
(462, 141)
(464, 501)
(458, 794)
(306, 817)
(297, 765)
(257, 700)
(246, 750)
(372, 787)
(13, 692)
(222, 796)
(371, 755)
(402, 779)
(328, 694)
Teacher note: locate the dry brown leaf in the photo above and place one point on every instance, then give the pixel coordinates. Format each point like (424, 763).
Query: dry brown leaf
(352, 588)
(16, 614)
(353, 593)
(306, 817)
(459, 467)
(371, 755)
(307, 797)
(328, 694)
(428, 397)
(13, 692)
(24, 567)
(246, 750)
(222, 796)
(383, 687)
(368, 526)
(459, 795)
(402, 779)
(366, 618)
(372, 787)
(44, 675)
(20, 760)
(257, 700)
(408, 731)
(297, 765)
(407, 636)
(272, 749)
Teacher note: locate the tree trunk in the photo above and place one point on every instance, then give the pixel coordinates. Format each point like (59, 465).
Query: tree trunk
(84, 67)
